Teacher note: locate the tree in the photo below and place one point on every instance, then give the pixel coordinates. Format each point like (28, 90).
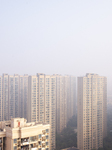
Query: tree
(67, 138)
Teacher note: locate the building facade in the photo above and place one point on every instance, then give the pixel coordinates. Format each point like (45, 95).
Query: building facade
(23, 96)
(92, 111)
(13, 96)
(42, 102)
(16, 134)
(5, 100)
(1, 102)
(65, 100)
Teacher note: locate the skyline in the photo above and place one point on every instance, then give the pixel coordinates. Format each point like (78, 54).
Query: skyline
(41, 98)
(56, 37)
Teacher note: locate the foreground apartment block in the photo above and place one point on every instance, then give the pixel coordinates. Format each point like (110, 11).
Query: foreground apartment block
(92, 111)
(16, 134)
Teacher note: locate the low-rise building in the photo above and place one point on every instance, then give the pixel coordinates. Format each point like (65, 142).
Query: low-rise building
(17, 134)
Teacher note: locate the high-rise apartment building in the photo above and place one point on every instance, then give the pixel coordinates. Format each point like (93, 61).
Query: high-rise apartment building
(61, 103)
(41, 98)
(50, 106)
(5, 90)
(23, 96)
(33, 100)
(41, 102)
(92, 111)
(17, 134)
(71, 98)
(65, 100)
(13, 96)
(1, 112)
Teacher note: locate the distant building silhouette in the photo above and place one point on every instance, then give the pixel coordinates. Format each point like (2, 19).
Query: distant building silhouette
(65, 100)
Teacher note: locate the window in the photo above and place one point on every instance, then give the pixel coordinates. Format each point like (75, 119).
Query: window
(47, 137)
(15, 140)
(39, 142)
(15, 147)
(47, 130)
(33, 138)
(40, 136)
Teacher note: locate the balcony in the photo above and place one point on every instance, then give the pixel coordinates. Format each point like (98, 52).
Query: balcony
(15, 147)
(44, 132)
(43, 138)
(0, 140)
(39, 136)
(47, 137)
(47, 131)
(33, 139)
(19, 143)
(47, 144)
(25, 147)
(34, 148)
(39, 143)
(25, 141)
(43, 145)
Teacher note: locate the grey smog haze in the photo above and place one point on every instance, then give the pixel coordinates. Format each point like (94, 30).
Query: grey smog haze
(56, 36)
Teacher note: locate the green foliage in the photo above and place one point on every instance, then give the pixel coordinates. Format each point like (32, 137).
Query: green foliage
(72, 122)
(68, 137)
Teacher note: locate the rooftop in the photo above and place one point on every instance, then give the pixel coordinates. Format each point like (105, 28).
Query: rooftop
(18, 122)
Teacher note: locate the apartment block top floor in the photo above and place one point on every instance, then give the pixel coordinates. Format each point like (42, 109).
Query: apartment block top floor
(19, 128)
(90, 75)
(37, 74)
(16, 134)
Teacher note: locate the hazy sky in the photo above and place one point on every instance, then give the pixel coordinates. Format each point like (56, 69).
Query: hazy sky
(56, 36)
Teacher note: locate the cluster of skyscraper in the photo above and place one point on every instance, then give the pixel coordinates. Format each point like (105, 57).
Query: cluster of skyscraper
(40, 98)
(52, 99)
